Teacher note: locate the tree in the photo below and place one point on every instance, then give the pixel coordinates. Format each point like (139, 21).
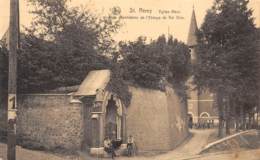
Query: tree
(63, 44)
(3, 75)
(227, 58)
(149, 64)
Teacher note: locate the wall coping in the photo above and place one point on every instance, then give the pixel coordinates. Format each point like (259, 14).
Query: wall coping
(226, 138)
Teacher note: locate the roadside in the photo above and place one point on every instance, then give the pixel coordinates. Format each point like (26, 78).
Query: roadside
(25, 154)
(244, 140)
(187, 151)
(192, 147)
(239, 155)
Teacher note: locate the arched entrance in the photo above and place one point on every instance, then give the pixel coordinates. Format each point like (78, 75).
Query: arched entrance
(204, 120)
(108, 120)
(111, 117)
(114, 117)
(204, 115)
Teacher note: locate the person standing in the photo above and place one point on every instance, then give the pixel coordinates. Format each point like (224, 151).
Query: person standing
(130, 145)
(108, 147)
(190, 122)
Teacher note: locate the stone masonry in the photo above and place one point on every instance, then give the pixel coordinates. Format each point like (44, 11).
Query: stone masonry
(49, 122)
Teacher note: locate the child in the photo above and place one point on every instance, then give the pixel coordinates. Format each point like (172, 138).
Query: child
(130, 145)
(108, 147)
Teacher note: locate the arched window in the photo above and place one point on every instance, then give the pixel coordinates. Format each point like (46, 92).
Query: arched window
(204, 115)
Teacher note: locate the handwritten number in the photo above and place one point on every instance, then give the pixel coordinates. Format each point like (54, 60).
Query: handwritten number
(12, 100)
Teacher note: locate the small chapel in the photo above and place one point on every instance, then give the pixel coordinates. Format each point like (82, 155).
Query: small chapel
(78, 118)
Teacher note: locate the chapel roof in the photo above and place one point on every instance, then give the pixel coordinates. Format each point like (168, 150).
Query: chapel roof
(97, 79)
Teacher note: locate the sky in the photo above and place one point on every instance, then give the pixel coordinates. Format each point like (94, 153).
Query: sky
(149, 18)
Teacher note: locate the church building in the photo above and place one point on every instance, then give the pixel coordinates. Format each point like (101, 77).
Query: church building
(201, 103)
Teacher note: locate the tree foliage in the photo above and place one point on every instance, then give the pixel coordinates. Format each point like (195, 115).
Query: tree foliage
(118, 85)
(3, 67)
(150, 64)
(63, 44)
(227, 58)
(56, 20)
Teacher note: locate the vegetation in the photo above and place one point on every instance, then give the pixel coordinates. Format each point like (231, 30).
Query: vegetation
(227, 61)
(3, 69)
(118, 85)
(62, 45)
(150, 64)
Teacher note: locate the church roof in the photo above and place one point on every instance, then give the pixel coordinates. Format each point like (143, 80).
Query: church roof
(192, 37)
(97, 79)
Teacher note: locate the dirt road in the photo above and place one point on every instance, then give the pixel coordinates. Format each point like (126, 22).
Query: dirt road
(25, 154)
(186, 151)
(191, 147)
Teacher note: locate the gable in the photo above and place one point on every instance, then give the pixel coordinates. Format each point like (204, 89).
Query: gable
(97, 79)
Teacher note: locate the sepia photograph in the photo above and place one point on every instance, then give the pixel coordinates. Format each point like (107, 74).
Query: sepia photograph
(129, 79)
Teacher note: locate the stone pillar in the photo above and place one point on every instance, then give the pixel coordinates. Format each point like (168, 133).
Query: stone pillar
(101, 129)
(123, 130)
(97, 135)
(97, 124)
(97, 127)
(95, 119)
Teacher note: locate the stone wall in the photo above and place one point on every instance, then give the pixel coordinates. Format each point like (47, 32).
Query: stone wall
(49, 122)
(157, 120)
(3, 123)
(177, 110)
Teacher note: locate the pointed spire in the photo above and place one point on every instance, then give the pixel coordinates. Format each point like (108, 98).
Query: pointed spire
(192, 37)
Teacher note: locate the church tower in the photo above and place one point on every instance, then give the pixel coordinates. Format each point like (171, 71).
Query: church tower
(192, 36)
(200, 103)
(193, 108)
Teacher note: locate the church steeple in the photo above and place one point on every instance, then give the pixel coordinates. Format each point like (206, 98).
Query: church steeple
(192, 37)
